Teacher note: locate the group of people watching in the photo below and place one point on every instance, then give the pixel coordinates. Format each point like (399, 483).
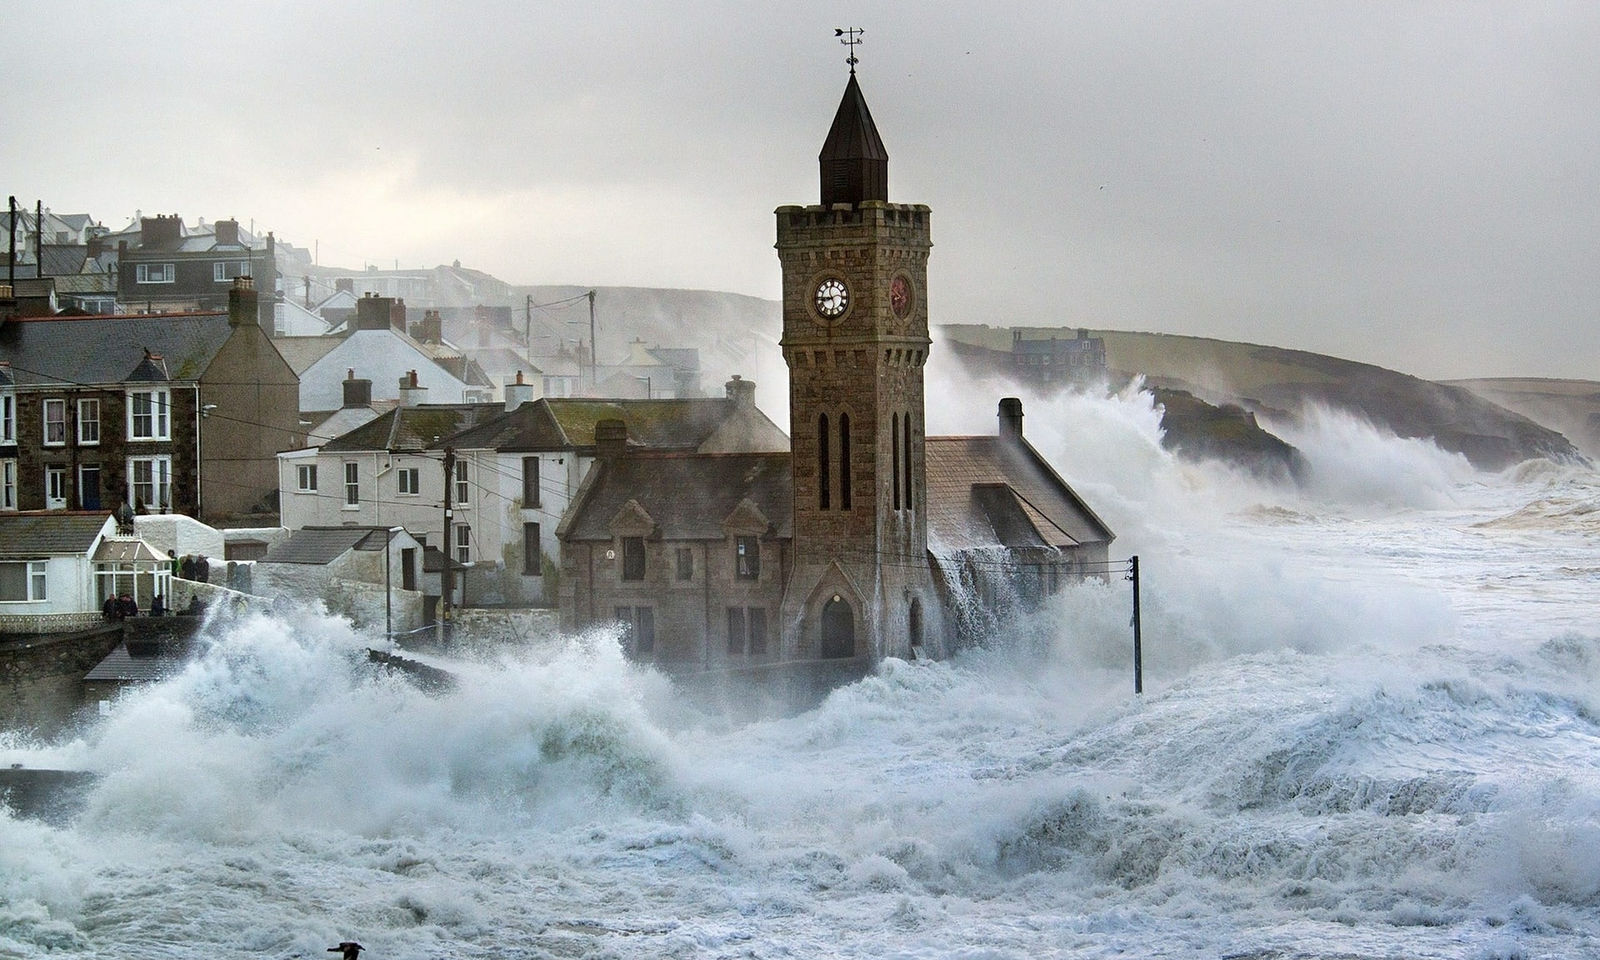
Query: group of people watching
(124, 606)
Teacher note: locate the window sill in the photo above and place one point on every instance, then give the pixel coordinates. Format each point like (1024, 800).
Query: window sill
(351, 507)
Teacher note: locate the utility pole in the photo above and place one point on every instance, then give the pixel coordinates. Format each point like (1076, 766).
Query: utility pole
(594, 348)
(11, 261)
(527, 325)
(444, 573)
(1138, 652)
(38, 238)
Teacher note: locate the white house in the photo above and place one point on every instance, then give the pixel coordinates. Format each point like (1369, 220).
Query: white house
(57, 568)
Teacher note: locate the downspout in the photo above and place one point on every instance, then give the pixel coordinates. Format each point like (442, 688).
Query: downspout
(199, 456)
(705, 577)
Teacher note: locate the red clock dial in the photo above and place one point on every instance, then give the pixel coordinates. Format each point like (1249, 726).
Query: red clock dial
(900, 296)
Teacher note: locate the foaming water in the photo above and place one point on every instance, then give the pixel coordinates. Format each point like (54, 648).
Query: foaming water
(1370, 729)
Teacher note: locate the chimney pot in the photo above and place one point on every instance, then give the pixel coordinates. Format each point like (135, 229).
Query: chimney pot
(1010, 418)
(741, 391)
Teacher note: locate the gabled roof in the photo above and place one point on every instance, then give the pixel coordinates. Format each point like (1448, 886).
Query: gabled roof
(101, 350)
(424, 427)
(301, 352)
(64, 259)
(321, 545)
(689, 496)
(989, 492)
(52, 534)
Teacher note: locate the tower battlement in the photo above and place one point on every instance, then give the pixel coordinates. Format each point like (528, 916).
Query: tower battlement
(876, 216)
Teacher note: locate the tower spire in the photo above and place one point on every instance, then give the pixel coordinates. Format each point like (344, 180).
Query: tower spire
(854, 164)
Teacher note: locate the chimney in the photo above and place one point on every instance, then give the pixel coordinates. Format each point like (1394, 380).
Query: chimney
(610, 439)
(374, 312)
(227, 233)
(1010, 419)
(357, 393)
(242, 308)
(518, 393)
(347, 284)
(160, 231)
(97, 246)
(741, 392)
(397, 314)
(412, 394)
(431, 329)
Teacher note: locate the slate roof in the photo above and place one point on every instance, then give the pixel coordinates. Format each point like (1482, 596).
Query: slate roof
(424, 427)
(321, 545)
(301, 352)
(688, 495)
(567, 423)
(120, 664)
(64, 259)
(100, 350)
(55, 533)
(987, 492)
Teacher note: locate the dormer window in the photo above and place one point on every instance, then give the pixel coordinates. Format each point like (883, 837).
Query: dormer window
(633, 558)
(225, 271)
(148, 417)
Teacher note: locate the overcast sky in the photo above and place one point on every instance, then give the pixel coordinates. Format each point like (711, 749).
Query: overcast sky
(1415, 184)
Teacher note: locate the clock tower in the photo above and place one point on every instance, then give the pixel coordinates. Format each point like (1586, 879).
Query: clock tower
(855, 338)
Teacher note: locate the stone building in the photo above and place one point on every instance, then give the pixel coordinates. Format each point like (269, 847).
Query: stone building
(838, 549)
(179, 413)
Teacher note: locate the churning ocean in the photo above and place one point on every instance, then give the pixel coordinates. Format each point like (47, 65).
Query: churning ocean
(1370, 728)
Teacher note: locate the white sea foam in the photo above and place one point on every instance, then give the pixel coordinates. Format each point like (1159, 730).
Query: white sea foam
(1370, 729)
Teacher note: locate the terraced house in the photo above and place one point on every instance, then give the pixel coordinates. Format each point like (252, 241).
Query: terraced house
(168, 413)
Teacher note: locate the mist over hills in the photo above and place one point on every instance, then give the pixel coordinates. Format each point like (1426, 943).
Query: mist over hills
(1213, 389)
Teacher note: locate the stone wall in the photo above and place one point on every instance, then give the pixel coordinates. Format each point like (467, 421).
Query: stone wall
(41, 679)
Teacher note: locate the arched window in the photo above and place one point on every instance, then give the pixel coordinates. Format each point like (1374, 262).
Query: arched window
(894, 456)
(844, 461)
(905, 450)
(823, 467)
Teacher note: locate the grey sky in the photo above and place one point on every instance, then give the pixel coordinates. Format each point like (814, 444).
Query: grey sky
(1413, 184)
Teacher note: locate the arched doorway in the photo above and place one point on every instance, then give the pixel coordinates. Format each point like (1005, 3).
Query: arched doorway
(914, 624)
(838, 629)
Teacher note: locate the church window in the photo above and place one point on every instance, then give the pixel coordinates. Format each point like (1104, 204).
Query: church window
(905, 451)
(747, 558)
(844, 461)
(894, 456)
(757, 620)
(685, 563)
(747, 631)
(736, 637)
(824, 468)
(633, 558)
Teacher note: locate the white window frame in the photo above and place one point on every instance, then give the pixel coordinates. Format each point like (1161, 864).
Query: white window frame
(352, 485)
(463, 543)
(463, 486)
(153, 273)
(159, 415)
(55, 486)
(88, 426)
(410, 481)
(223, 271)
(306, 477)
(59, 406)
(8, 484)
(38, 580)
(159, 484)
(8, 417)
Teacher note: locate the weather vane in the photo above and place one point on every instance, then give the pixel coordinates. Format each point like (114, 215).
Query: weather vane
(850, 36)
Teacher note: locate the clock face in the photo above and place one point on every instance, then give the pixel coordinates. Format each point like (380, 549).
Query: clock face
(832, 299)
(900, 296)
